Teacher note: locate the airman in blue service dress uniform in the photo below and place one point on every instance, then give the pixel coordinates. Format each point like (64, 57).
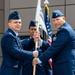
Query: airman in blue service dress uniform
(41, 69)
(62, 51)
(12, 50)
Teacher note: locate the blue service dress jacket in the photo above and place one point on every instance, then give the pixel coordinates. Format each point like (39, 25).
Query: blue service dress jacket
(13, 54)
(41, 69)
(62, 51)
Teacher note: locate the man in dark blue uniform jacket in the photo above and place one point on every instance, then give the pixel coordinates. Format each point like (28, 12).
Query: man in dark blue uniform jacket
(41, 69)
(62, 51)
(12, 50)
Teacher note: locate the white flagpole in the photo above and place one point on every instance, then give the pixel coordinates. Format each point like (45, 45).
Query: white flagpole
(37, 19)
(46, 2)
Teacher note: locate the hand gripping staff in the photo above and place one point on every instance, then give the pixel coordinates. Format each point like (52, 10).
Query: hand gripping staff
(36, 46)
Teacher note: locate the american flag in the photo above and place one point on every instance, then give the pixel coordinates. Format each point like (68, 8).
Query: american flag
(49, 30)
(48, 23)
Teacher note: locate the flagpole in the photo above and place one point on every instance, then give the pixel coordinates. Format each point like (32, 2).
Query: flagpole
(46, 2)
(36, 46)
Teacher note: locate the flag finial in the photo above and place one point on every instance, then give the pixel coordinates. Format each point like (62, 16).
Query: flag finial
(46, 2)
